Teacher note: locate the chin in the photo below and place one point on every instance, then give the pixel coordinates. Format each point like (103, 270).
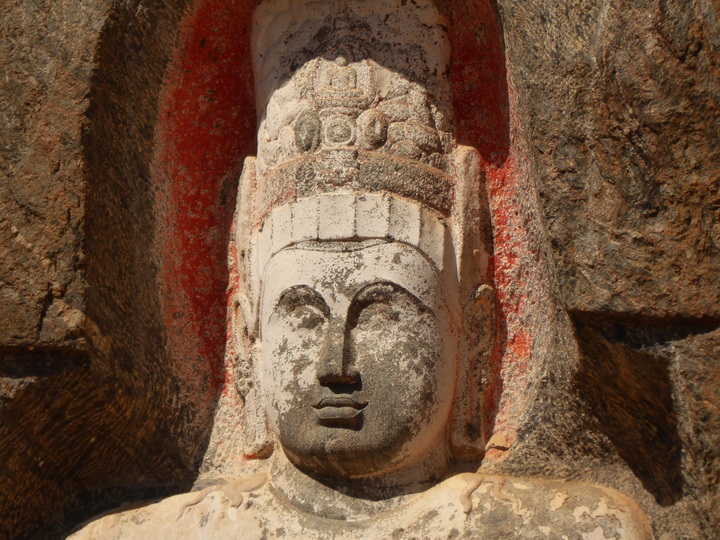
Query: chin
(341, 452)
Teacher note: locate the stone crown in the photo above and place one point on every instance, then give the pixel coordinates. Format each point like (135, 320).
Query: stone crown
(345, 134)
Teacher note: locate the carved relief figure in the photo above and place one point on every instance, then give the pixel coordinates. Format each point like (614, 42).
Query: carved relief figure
(365, 310)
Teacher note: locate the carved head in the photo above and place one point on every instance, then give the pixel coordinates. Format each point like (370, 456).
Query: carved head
(362, 249)
(360, 345)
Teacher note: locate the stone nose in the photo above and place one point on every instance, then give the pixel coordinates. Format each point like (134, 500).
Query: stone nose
(335, 365)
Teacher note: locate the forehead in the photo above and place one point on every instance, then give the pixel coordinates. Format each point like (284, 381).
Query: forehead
(339, 275)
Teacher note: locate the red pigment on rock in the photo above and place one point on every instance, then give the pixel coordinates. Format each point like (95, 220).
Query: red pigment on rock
(479, 80)
(520, 278)
(482, 119)
(514, 351)
(206, 127)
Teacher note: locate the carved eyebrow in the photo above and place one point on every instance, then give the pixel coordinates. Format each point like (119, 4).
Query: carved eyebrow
(377, 292)
(381, 292)
(302, 295)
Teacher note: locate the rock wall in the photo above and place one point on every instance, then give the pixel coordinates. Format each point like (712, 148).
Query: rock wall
(615, 107)
(86, 393)
(619, 108)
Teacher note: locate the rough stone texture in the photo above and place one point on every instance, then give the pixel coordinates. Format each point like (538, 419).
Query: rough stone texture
(463, 506)
(85, 401)
(619, 107)
(617, 103)
(45, 91)
(620, 102)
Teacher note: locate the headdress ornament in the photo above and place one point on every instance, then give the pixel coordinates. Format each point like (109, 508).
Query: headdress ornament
(355, 140)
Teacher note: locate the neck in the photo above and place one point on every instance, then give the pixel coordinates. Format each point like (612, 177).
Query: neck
(353, 499)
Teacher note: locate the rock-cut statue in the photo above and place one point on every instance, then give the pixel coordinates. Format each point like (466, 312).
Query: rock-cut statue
(367, 315)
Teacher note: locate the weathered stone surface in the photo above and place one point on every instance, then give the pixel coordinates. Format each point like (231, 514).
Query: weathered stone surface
(616, 105)
(43, 352)
(463, 506)
(620, 114)
(620, 102)
(45, 85)
(83, 385)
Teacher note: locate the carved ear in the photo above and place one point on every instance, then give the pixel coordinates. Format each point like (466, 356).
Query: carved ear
(247, 273)
(248, 380)
(467, 438)
(257, 443)
(248, 374)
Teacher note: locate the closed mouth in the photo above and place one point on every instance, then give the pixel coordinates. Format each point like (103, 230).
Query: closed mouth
(340, 412)
(340, 401)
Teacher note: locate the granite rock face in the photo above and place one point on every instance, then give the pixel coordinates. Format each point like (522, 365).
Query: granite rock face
(617, 108)
(620, 113)
(624, 133)
(83, 389)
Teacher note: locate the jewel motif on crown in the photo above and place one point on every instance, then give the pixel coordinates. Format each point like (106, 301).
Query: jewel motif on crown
(346, 135)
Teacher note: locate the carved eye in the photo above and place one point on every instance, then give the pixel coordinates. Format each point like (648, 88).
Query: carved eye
(377, 315)
(302, 308)
(377, 306)
(305, 317)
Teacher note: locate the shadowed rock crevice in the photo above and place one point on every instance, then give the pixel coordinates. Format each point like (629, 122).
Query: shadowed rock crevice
(631, 381)
(644, 332)
(39, 362)
(63, 416)
(629, 393)
(650, 386)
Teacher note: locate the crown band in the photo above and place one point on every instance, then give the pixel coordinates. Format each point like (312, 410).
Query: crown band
(356, 170)
(354, 216)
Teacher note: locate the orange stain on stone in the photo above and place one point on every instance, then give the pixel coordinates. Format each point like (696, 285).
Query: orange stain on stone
(206, 127)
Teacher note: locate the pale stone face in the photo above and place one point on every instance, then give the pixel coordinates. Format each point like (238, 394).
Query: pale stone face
(359, 355)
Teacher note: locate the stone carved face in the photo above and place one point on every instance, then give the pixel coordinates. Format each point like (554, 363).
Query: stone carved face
(359, 356)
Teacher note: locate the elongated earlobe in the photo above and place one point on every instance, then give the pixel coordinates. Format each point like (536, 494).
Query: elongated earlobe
(481, 319)
(467, 440)
(257, 443)
(248, 374)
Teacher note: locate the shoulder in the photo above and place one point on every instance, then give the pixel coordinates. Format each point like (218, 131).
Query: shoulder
(182, 515)
(508, 507)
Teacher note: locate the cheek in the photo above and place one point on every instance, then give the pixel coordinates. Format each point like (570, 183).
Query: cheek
(404, 355)
(289, 363)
